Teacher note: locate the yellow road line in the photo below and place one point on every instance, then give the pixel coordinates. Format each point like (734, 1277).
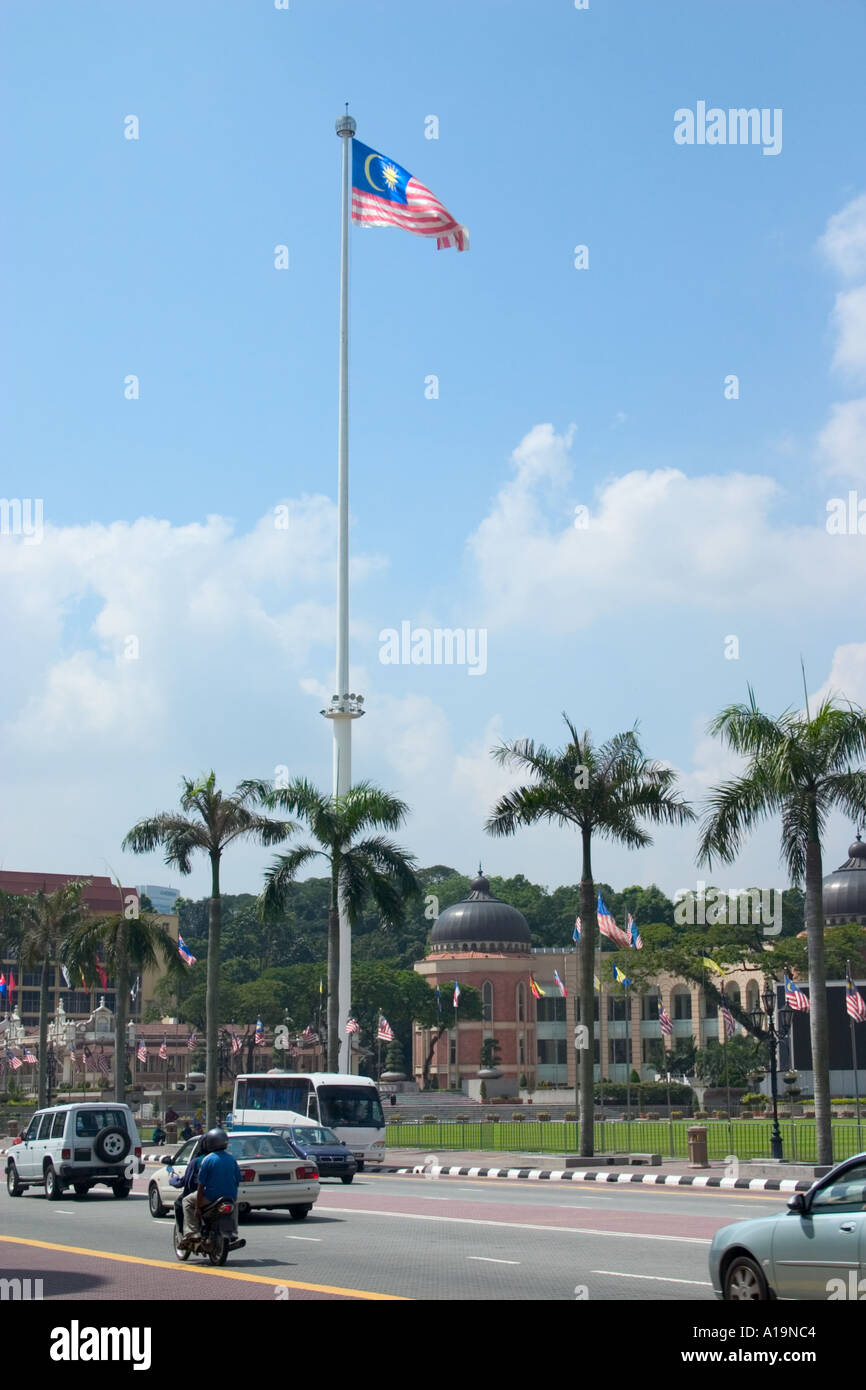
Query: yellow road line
(198, 1269)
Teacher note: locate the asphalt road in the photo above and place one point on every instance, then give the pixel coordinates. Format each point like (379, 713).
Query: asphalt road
(390, 1237)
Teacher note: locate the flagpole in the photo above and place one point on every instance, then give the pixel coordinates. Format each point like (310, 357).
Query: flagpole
(850, 977)
(344, 707)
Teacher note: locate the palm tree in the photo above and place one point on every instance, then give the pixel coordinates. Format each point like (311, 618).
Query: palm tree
(210, 823)
(38, 924)
(373, 865)
(802, 768)
(600, 790)
(123, 941)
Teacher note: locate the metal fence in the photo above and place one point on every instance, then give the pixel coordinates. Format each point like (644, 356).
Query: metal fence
(742, 1138)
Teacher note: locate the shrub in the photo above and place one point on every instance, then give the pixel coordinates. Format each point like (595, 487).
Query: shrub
(746, 1115)
(461, 1119)
(702, 1114)
(571, 1116)
(720, 1114)
(482, 1092)
(523, 1083)
(395, 1119)
(754, 1100)
(542, 1115)
(516, 1115)
(676, 1114)
(428, 1120)
(492, 1119)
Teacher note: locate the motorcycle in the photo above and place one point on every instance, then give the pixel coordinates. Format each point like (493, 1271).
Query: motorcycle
(215, 1238)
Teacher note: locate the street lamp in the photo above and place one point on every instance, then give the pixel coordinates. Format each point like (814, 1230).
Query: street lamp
(776, 1027)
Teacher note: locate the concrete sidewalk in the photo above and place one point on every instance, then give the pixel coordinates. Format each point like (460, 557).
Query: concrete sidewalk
(673, 1172)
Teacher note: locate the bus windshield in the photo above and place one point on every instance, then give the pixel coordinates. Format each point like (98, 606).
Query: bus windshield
(350, 1107)
(273, 1093)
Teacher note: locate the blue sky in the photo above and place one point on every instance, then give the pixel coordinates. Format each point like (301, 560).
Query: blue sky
(156, 257)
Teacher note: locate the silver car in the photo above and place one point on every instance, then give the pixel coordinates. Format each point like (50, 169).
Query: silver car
(814, 1250)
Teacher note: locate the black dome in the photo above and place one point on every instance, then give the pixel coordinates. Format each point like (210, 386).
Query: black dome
(481, 922)
(845, 890)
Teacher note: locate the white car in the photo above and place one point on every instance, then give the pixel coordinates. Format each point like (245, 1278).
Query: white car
(272, 1175)
(76, 1146)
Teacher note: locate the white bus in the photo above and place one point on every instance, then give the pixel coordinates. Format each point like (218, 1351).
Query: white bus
(349, 1105)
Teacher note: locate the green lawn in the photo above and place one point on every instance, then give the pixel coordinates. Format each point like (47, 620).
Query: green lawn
(744, 1138)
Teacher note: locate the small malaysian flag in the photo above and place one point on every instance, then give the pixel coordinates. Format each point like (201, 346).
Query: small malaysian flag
(353, 1026)
(563, 991)
(634, 935)
(77, 1061)
(163, 1051)
(384, 1032)
(575, 935)
(608, 927)
(456, 995)
(665, 1020)
(795, 998)
(185, 954)
(141, 1054)
(14, 1062)
(385, 194)
(855, 1004)
(29, 1057)
(236, 1043)
(192, 1041)
(260, 1033)
(727, 1019)
(102, 1064)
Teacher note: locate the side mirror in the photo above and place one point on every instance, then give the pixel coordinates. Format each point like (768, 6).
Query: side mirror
(798, 1203)
(166, 1158)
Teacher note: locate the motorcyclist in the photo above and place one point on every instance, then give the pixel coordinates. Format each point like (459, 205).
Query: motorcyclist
(218, 1176)
(184, 1207)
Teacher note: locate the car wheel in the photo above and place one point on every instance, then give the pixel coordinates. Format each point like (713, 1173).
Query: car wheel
(299, 1213)
(221, 1254)
(81, 1189)
(14, 1185)
(121, 1189)
(347, 1178)
(244, 1210)
(175, 1240)
(53, 1185)
(112, 1144)
(360, 1166)
(154, 1201)
(744, 1281)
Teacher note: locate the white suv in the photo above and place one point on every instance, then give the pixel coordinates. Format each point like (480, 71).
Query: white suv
(76, 1146)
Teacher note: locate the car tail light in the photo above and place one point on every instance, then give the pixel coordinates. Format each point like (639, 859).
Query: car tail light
(307, 1170)
(224, 1207)
(138, 1153)
(65, 1153)
(248, 1174)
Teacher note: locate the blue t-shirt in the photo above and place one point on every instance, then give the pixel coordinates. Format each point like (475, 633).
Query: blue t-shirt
(220, 1175)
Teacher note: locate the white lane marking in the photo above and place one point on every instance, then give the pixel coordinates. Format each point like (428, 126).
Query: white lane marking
(514, 1225)
(62, 1211)
(488, 1260)
(316, 1239)
(656, 1278)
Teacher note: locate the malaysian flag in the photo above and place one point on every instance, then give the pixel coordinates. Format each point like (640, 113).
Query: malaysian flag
(141, 1054)
(563, 991)
(185, 954)
(102, 1064)
(727, 1018)
(88, 1058)
(353, 1026)
(386, 195)
(438, 1001)
(309, 1034)
(575, 935)
(794, 997)
(608, 927)
(77, 1061)
(163, 1051)
(29, 1057)
(634, 935)
(456, 995)
(384, 1032)
(665, 1020)
(192, 1040)
(14, 1062)
(260, 1033)
(236, 1043)
(855, 1004)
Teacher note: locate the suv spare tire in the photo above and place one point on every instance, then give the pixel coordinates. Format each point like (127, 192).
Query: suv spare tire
(112, 1144)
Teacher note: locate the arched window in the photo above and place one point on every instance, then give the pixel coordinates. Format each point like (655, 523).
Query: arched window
(649, 1006)
(681, 1000)
(752, 997)
(733, 993)
(487, 1001)
(711, 1008)
(521, 1002)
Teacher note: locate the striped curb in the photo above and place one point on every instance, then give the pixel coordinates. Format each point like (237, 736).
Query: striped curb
(576, 1175)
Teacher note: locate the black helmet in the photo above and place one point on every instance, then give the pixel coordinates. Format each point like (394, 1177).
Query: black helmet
(216, 1139)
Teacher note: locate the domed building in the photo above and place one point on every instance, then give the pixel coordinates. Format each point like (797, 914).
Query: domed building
(484, 942)
(845, 889)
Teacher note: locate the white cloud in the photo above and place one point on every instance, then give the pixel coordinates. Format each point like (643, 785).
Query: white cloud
(849, 323)
(844, 241)
(655, 539)
(842, 442)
